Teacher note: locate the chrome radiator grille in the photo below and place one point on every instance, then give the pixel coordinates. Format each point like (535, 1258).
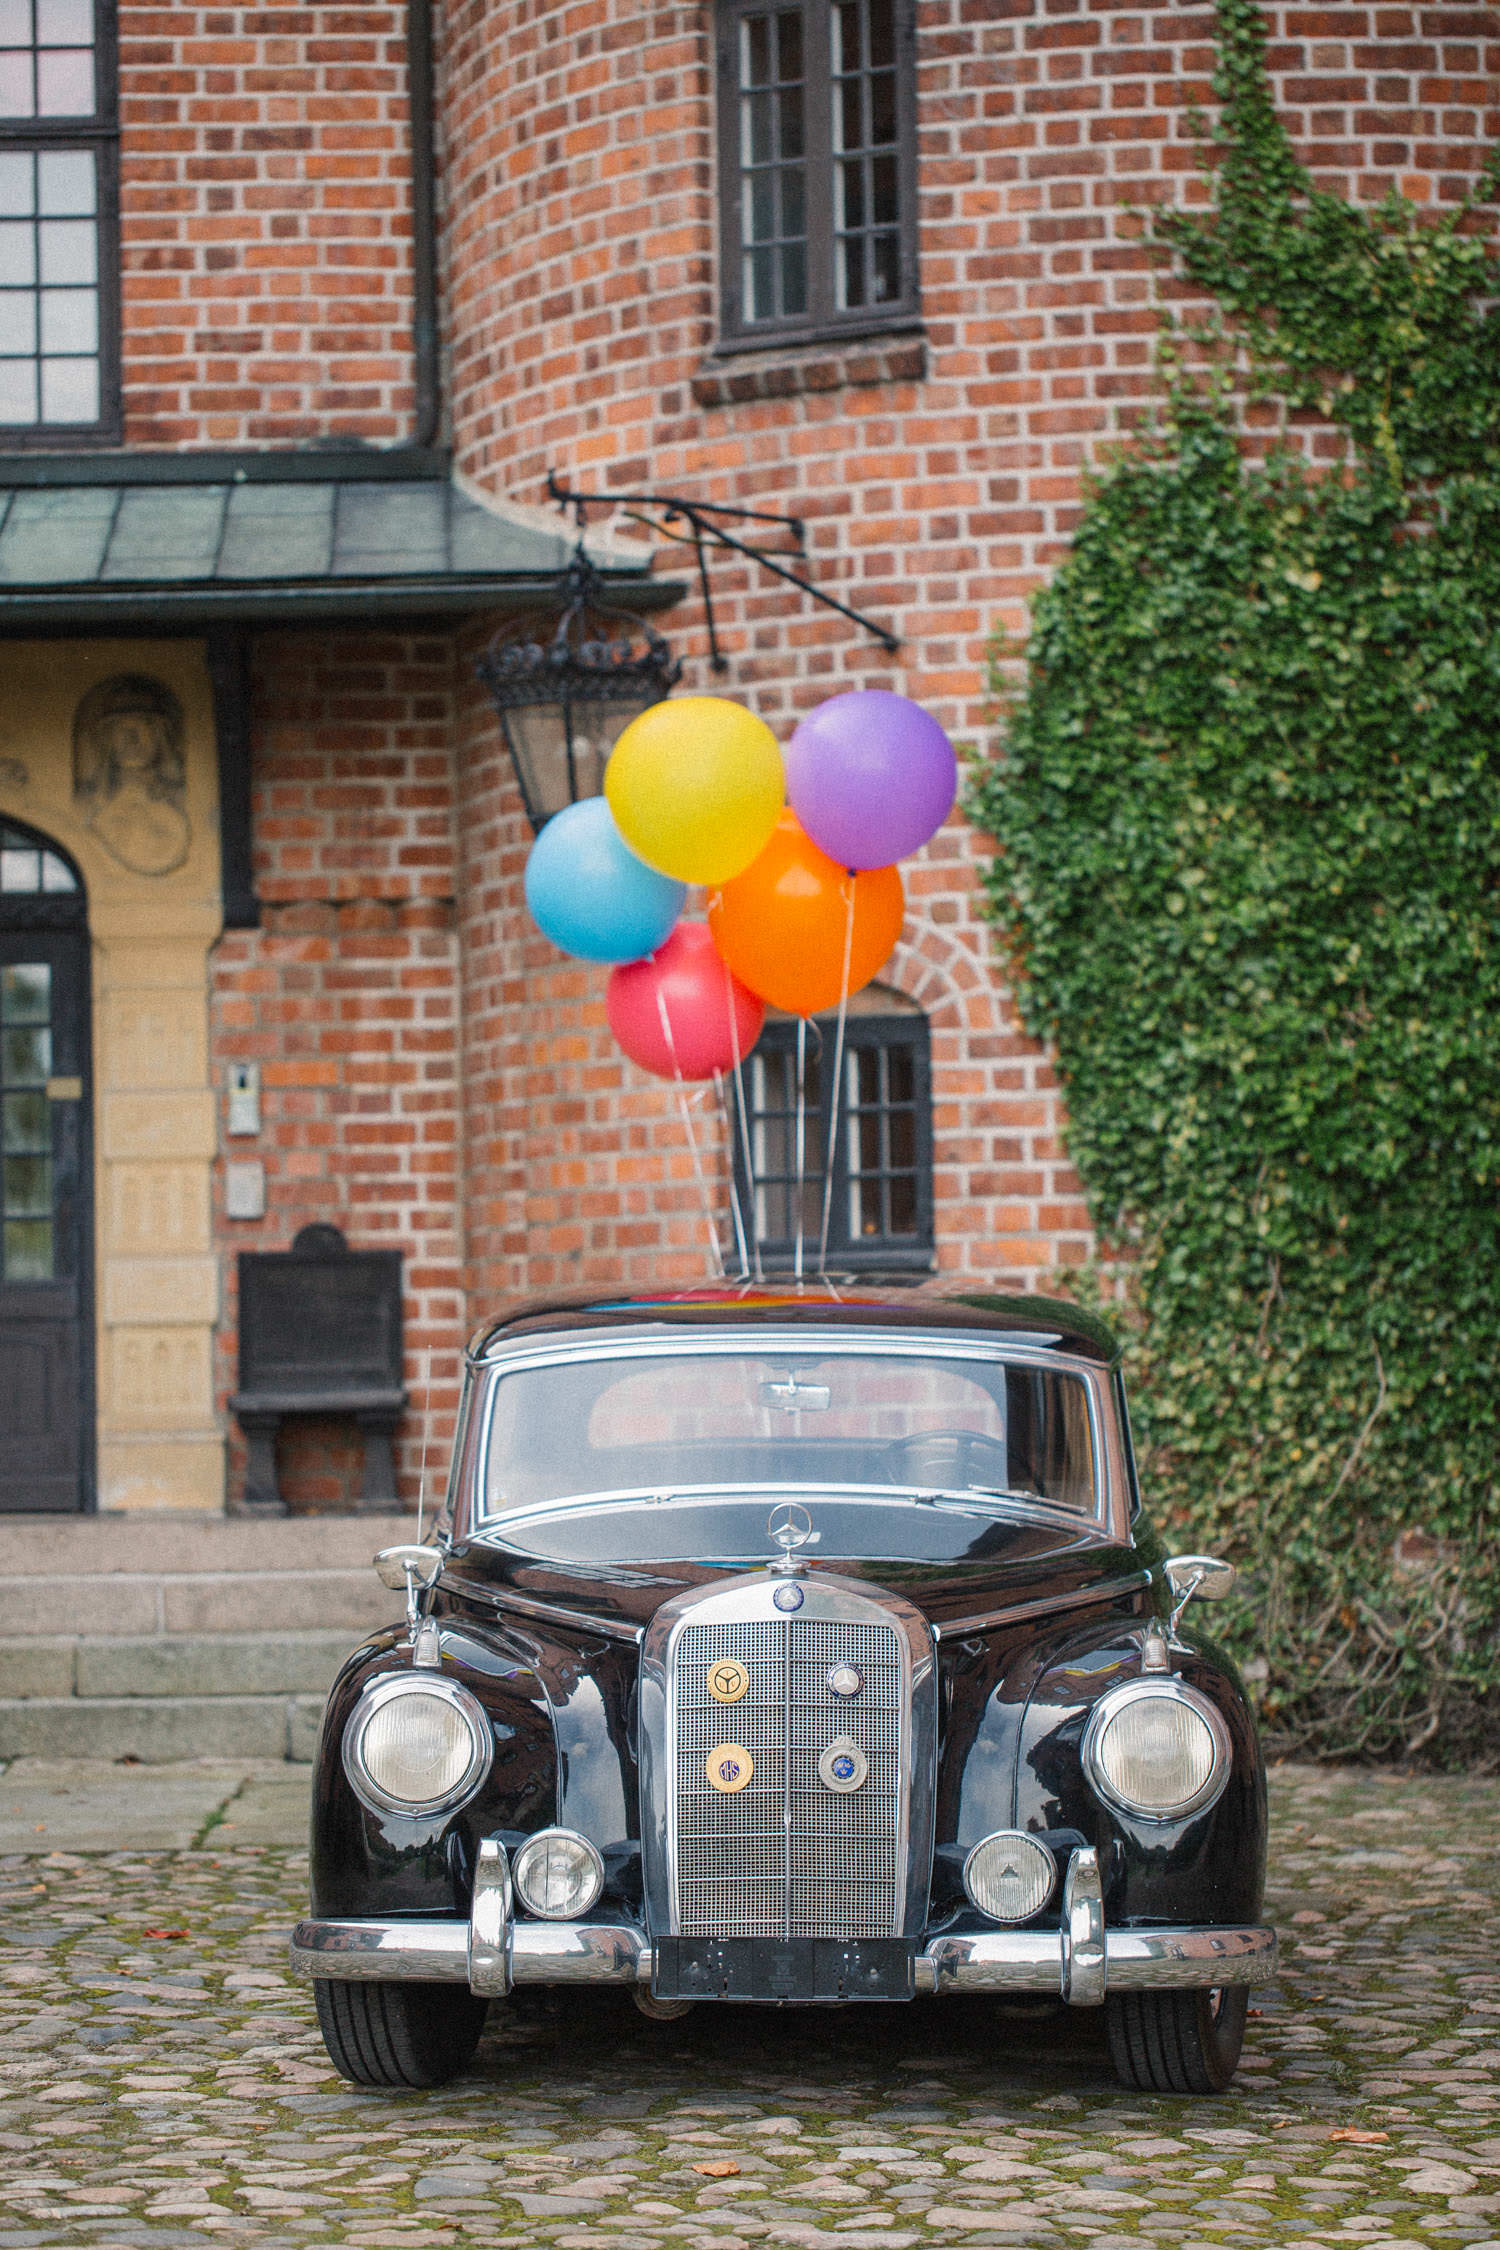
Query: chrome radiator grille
(786, 1856)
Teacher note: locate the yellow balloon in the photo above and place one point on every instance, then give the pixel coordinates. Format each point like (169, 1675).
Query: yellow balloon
(696, 786)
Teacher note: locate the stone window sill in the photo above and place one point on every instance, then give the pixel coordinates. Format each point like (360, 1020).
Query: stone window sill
(816, 367)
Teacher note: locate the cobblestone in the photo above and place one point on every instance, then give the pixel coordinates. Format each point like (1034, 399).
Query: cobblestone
(162, 2081)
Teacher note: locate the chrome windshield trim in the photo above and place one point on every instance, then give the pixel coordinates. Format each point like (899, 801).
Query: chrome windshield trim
(988, 1506)
(1111, 1502)
(954, 1628)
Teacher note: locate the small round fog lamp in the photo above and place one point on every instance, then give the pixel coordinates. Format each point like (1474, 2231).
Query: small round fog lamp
(1009, 1876)
(1158, 1749)
(558, 1874)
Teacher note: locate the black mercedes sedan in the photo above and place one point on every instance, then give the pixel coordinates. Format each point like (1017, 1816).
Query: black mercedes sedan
(785, 1649)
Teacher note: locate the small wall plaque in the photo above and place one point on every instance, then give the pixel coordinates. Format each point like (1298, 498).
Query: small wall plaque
(244, 1191)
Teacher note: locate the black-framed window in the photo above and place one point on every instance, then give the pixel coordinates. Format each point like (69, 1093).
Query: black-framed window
(817, 168)
(880, 1208)
(59, 309)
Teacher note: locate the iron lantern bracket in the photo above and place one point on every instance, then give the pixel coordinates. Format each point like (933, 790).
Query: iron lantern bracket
(706, 531)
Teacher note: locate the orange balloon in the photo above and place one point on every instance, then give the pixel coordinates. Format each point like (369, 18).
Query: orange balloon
(783, 924)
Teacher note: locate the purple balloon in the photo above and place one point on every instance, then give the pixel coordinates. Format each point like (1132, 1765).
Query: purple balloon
(870, 776)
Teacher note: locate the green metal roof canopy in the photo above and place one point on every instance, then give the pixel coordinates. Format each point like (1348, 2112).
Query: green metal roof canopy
(164, 542)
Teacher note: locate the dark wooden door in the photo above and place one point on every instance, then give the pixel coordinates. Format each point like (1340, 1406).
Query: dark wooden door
(46, 1203)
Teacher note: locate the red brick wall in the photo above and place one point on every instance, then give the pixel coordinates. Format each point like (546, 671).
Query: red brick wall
(265, 224)
(940, 480)
(347, 995)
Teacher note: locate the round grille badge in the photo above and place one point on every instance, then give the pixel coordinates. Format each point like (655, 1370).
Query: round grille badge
(728, 1768)
(844, 1679)
(788, 1596)
(843, 1766)
(728, 1680)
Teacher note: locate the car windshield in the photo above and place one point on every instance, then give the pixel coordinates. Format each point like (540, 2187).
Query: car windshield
(883, 1420)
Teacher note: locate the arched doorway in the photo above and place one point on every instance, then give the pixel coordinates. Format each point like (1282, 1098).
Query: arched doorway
(46, 1180)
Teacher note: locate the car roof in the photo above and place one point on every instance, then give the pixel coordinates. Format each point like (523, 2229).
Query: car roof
(821, 1304)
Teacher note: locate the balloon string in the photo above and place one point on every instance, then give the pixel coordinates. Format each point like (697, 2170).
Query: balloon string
(801, 1137)
(736, 1211)
(711, 1223)
(743, 1108)
(831, 1150)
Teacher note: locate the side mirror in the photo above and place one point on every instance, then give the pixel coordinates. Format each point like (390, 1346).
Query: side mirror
(407, 1566)
(1188, 1575)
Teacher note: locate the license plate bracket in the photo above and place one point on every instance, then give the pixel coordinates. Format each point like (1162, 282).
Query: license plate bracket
(784, 1970)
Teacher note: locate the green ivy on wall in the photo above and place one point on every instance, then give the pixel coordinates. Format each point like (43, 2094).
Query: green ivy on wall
(1247, 819)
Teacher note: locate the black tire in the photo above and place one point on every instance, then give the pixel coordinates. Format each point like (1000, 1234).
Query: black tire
(1176, 2042)
(398, 2034)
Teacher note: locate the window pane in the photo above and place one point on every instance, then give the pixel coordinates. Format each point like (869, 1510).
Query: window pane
(65, 82)
(760, 285)
(851, 194)
(845, 29)
(761, 208)
(903, 1200)
(70, 390)
(789, 47)
(793, 202)
(881, 21)
(69, 251)
(65, 183)
(28, 1187)
(17, 258)
(28, 1250)
(18, 321)
(15, 23)
(883, 190)
(789, 123)
(759, 144)
(883, 109)
(20, 870)
(26, 1054)
(70, 320)
(26, 988)
(15, 83)
(848, 123)
(887, 263)
(755, 51)
(55, 875)
(65, 23)
(16, 189)
(17, 391)
(851, 270)
(27, 1124)
(794, 279)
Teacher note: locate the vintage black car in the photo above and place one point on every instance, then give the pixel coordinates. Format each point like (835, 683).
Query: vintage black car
(788, 1648)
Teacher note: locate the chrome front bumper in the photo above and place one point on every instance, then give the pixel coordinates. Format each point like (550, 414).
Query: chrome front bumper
(1079, 1961)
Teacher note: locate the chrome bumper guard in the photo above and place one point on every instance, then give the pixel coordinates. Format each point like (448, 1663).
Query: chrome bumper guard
(1080, 1961)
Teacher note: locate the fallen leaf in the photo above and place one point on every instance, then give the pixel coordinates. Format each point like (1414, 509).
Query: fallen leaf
(164, 1933)
(721, 2169)
(1355, 2133)
(40, 1828)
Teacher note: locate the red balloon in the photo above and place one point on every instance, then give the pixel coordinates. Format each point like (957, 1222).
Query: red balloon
(680, 1013)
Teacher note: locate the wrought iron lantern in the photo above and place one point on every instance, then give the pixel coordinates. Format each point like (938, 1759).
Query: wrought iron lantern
(563, 701)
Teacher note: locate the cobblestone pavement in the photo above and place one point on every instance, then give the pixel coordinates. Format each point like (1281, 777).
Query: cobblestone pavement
(164, 2082)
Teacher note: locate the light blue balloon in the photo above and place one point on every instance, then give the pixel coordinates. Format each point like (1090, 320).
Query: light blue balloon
(589, 893)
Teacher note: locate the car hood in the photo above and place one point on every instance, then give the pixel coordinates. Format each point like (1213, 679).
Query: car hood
(619, 1559)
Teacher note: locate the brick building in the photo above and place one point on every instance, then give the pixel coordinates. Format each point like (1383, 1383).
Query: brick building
(298, 307)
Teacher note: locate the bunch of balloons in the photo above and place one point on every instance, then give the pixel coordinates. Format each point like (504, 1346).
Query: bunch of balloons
(798, 856)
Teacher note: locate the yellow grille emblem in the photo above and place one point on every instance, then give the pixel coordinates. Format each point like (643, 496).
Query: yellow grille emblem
(728, 1680)
(728, 1767)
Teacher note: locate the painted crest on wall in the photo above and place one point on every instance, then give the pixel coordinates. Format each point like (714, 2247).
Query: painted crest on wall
(129, 770)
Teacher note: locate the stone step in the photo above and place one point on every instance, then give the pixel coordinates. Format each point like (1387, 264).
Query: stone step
(173, 1664)
(160, 1729)
(167, 1543)
(126, 1603)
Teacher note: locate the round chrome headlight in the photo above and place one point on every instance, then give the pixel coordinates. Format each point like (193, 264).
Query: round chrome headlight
(1157, 1749)
(416, 1745)
(558, 1874)
(1009, 1876)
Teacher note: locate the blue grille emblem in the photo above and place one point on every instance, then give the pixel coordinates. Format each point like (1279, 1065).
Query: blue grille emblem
(843, 1767)
(788, 1597)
